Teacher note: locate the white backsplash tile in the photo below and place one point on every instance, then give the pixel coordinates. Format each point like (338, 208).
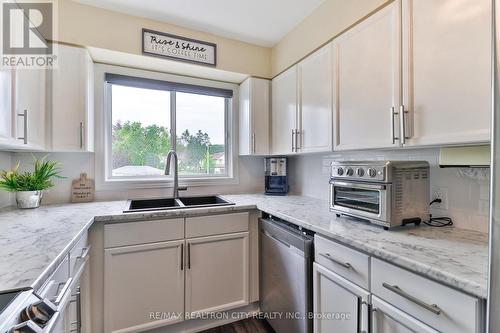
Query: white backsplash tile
(468, 189)
(251, 180)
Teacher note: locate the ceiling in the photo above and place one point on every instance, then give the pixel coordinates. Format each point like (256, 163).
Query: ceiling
(261, 22)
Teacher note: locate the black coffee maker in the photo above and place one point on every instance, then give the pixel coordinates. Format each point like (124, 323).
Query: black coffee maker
(276, 175)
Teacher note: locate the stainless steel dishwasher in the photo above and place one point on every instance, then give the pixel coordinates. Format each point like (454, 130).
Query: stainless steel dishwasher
(286, 256)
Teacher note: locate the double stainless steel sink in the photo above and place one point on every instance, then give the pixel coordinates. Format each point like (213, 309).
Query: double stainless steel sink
(144, 205)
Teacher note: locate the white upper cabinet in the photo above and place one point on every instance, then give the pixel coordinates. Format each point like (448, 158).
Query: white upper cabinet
(29, 107)
(302, 106)
(447, 76)
(367, 67)
(254, 95)
(7, 133)
(284, 112)
(315, 102)
(72, 101)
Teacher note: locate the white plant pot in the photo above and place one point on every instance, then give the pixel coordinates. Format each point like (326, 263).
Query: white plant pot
(28, 199)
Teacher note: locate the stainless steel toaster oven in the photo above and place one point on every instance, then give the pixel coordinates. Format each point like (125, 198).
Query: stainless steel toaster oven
(386, 193)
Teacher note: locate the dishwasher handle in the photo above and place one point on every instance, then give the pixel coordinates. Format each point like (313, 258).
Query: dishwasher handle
(287, 236)
(276, 239)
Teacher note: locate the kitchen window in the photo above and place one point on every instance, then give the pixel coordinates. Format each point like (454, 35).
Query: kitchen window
(148, 117)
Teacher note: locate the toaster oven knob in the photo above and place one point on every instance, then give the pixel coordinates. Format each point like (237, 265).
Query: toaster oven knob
(360, 172)
(372, 172)
(349, 172)
(340, 171)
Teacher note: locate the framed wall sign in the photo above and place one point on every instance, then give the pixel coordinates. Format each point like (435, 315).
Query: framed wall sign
(178, 48)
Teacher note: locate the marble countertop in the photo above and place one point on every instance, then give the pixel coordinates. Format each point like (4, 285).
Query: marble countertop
(32, 242)
(452, 256)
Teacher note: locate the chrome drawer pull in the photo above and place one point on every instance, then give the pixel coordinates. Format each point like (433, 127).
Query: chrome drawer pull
(332, 259)
(430, 307)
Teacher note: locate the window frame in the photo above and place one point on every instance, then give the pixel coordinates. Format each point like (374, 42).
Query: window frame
(103, 161)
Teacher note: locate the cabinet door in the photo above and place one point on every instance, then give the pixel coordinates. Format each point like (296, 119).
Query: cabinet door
(339, 305)
(143, 286)
(254, 133)
(284, 111)
(315, 130)
(245, 120)
(6, 108)
(217, 273)
(367, 81)
(30, 89)
(70, 105)
(447, 48)
(386, 318)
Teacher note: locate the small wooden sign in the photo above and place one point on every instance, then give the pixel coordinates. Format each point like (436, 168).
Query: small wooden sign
(174, 47)
(82, 190)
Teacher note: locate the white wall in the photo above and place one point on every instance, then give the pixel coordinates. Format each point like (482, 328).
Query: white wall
(468, 189)
(251, 178)
(325, 22)
(5, 164)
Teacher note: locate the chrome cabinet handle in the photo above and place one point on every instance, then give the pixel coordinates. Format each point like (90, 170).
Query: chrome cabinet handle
(430, 307)
(25, 126)
(78, 310)
(336, 261)
(364, 314)
(182, 257)
(298, 138)
(393, 124)
(293, 141)
(81, 135)
(373, 321)
(253, 143)
(402, 118)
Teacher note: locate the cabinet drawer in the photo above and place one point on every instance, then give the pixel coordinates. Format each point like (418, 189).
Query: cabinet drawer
(78, 253)
(142, 232)
(216, 224)
(346, 262)
(440, 307)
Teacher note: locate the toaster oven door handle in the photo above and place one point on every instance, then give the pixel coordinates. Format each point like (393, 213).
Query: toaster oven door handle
(369, 186)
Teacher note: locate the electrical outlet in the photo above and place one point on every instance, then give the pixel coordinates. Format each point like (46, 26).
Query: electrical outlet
(440, 193)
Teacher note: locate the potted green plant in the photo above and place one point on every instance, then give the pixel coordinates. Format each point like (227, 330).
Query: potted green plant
(29, 186)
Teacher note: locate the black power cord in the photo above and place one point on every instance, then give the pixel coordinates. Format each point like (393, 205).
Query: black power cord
(438, 221)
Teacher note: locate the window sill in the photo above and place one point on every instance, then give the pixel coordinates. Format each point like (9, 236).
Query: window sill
(124, 184)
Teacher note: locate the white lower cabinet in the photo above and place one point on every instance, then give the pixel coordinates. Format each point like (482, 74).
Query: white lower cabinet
(400, 301)
(144, 286)
(386, 318)
(339, 305)
(162, 272)
(439, 306)
(217, 273)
